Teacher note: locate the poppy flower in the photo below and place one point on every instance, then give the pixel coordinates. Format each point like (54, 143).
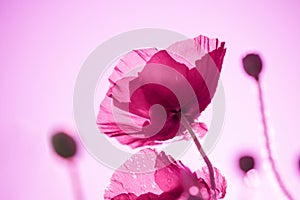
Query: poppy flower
(163, 179)
(152, 90)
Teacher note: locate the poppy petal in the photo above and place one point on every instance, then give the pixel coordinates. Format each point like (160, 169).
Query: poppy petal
(125, 196)
(149, 175)
(190, 50)
(165, 71)
(220, 181)
(167, 175)
(148, 196)
(130, 62)
(204, 77)
(134, 176)
(207, 55)
(200, 129)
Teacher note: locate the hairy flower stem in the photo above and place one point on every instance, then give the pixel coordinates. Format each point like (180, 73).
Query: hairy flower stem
(203, 155)
(77, 189)
(268, 145)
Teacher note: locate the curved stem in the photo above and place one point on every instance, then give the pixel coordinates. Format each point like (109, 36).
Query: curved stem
(203, 155)
(268, 145)
(75, 181)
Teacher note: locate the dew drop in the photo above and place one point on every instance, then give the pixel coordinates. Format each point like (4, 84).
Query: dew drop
(193, 190)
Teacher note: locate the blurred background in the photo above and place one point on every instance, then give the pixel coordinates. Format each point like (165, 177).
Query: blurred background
(44, 44)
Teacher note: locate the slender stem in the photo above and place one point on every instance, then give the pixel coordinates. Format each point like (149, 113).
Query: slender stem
(75, 181)
(268, 145)
(203, 154)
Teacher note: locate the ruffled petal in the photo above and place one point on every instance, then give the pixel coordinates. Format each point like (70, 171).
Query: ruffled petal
(200, 129)
(204, 77)
(118, 123)
(163, 58)
(167, 175)
(134, 176)
(204, 57)
(125, 196)
(220, 180)
(149, 175)
(134, 130)
(148, 196)
(190, 50)
(130, 63)
(163, 70)
(177, 180)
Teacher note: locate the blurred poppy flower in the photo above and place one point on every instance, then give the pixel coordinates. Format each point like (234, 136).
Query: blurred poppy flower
(163, 178)
(151, 90)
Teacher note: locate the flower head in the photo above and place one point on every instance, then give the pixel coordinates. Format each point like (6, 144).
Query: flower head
(168, 179)
(151, 90)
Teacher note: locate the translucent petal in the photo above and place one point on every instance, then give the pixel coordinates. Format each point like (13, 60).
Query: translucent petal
(135, 176)
(220, 180)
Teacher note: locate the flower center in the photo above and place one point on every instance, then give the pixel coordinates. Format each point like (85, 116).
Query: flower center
(175, 113)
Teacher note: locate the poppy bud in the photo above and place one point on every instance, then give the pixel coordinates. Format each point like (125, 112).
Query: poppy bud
(64, 145)
(246, 163)
(253, 65)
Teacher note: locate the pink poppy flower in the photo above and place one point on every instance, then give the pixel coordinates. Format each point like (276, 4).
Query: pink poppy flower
(151, 90)
(164, 178)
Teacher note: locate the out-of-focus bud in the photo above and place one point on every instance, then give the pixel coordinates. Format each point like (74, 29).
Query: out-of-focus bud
(246, 163)
(253, 65)
(64, 145)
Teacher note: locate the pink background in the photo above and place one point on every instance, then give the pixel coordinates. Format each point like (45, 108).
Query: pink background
(44, 44)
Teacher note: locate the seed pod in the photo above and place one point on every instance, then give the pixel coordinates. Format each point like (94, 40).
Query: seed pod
(64, 145)
(252, 65)
(246, 163)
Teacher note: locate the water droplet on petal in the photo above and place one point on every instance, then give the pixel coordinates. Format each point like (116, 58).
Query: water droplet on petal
(193, 190)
